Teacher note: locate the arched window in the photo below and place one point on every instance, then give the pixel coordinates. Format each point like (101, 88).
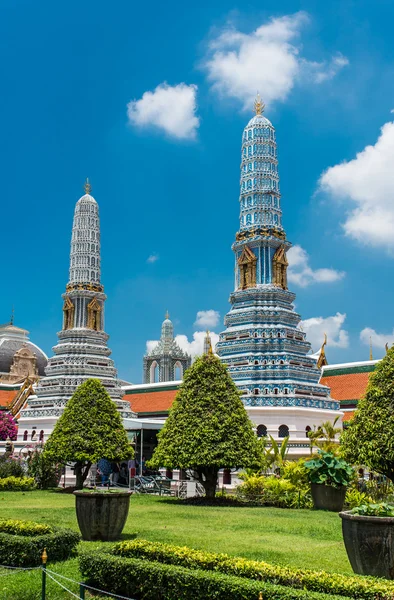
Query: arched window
(178, 371)
(41, 438)
(256, 362)
(33, 435)
(283, 431)
(154, 372)
(256, 391)
(276, 391)
(307, 430)
(26, 433)
(261, 431)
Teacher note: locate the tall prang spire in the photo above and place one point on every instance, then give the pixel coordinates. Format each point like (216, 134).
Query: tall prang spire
(266, 354)
(82, 351)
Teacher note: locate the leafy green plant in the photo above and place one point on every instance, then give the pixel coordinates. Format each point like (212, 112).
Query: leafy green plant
(208, 427)
(355, 498)
(374, 510)
(368, 439)
(17, 484)
(133, 577)
(296, 472)
(367, 588)
(45, 472)
(10, 467)
(328, 469)
(90, 428)
(325, 436)
(273, 491)
(22, 543)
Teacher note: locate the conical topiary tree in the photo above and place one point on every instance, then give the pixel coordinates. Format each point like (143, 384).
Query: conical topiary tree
(369, 438)
(90, 428)
(208, 427)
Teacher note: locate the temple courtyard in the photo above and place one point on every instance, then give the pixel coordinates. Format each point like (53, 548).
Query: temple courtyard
(299, 538)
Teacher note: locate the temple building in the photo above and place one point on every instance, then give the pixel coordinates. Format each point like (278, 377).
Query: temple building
(19, 357)
(82, 351)
(266, 352)
(166, 361)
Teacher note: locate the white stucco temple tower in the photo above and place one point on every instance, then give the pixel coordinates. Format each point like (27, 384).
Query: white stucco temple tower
(81, 351)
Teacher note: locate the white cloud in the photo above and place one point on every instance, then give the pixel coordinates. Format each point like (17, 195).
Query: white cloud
(379, 340)
(300, 272)
(366, 185)
(316, 327)
(207, 318)
(267, 59)
(152, 258)
(195, 347)
(169, 108)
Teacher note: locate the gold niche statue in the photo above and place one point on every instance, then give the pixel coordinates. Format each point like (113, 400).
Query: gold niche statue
(94, 315)
(247, 269)
(280, 265)
(68, 310)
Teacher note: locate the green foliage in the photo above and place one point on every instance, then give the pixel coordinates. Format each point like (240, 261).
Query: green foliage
(327, 469)
(276, 454)
(374, 510)
(90, 428)
(325, 436)
(22, 543)
(296, 472)
(10, 467)
(273, 491)
(368, 588)
(45, 472)
(135, 577)
(17, 484)
(29, 528)
(355, 498)
(368, 440)
(208, 427)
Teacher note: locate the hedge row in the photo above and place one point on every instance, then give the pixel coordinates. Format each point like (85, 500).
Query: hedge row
(368, 588)
(22, 544)
(17, 484)
(27, 528)
(134, 577)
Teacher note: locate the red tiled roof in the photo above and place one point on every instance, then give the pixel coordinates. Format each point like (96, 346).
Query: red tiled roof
(347, 416)
(351, 386)
(6, 396)
(151, 402)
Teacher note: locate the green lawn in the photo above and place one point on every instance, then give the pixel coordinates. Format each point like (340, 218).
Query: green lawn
(300, 538)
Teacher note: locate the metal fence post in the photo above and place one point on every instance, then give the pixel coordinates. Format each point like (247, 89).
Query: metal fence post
(81, 591)
(44, 558)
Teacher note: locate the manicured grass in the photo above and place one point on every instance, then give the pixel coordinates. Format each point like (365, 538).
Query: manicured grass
(298, 538)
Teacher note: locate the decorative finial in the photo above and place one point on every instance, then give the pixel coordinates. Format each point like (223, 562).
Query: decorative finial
(387, 347)
(12, 316)
(370, 349)
(167, 314)
(87, 187)
(259, 106)
(208, 343)
(322, 360)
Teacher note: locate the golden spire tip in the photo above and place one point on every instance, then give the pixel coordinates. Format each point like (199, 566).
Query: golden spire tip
(259, 105)
(370, 348)
(167, 315)
(87, 187)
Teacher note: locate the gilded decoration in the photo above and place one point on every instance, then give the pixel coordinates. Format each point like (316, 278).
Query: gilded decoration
(280, 264)
(322, 360)
(247, 269)
(94, 315)
(264, 231)
(68, 311)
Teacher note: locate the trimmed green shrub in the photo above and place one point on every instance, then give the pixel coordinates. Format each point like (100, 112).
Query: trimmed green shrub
(273, 491)
(10, 467)
(134, 577)
(22, 543)
(44, 471)
(17, 484)
(368, 588)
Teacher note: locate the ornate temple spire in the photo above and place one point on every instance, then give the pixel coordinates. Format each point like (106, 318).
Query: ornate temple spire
(85, 241)
(370, 349)
(208, 343)
(259, 106)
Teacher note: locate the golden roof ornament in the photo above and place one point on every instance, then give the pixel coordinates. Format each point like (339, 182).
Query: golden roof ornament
(167, 314)
(259, 105)
(87, 187)
(370, 348)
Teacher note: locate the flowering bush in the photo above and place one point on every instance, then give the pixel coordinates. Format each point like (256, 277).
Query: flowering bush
(8, 427)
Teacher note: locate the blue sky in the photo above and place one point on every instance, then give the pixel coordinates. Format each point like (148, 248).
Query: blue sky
(149, 102)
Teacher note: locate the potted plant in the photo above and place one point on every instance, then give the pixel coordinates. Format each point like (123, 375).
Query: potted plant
(91, 429)
(368, 534)
(329, 477)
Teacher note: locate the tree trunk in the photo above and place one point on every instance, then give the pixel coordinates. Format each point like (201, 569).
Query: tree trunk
(81, 471)
(210, 480)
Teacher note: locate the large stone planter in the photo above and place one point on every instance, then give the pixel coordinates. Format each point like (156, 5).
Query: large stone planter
(101, 515)
(327, 497)
(369, 543)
